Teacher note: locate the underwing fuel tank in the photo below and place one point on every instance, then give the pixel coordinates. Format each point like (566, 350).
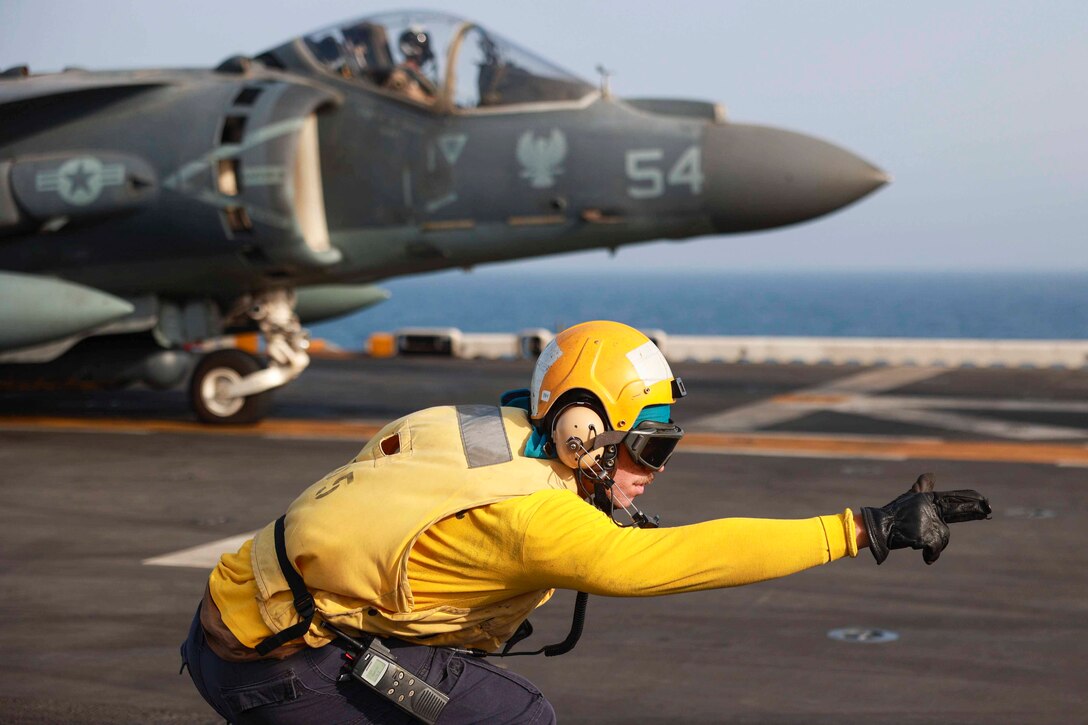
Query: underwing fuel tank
(323, 302)
(35, 310)
(760, 177)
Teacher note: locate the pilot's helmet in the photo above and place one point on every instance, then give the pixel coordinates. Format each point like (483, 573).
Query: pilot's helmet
(356, 34)
(416, 44)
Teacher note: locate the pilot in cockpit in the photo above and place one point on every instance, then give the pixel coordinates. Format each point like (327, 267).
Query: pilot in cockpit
(360, 47)
(408, 77)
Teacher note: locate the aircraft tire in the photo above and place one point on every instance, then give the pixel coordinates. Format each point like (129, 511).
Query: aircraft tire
(214, 369)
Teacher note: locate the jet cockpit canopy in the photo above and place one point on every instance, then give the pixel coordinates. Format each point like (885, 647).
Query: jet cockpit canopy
(435, 59)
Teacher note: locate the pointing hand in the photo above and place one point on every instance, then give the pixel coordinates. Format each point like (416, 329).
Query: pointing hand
(919, 519)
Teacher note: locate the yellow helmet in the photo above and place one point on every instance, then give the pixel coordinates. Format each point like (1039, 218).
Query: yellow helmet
(617, 365)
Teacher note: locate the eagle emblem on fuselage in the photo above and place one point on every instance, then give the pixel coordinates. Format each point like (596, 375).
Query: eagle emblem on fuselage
(540, 157)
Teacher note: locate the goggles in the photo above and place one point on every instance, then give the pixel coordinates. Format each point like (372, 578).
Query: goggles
(651, 444)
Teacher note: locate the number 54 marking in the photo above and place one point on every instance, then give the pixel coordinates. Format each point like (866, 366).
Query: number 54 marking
(644, 166)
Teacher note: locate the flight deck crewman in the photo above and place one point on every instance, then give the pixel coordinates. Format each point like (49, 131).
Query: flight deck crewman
(374, 597)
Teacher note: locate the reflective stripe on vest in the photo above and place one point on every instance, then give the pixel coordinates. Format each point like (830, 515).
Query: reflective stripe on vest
(483, 435)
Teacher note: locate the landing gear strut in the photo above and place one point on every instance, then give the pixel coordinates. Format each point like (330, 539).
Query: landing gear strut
(229, 386)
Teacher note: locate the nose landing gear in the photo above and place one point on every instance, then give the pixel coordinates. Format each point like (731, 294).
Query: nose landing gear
(230, 386)
(209, 391)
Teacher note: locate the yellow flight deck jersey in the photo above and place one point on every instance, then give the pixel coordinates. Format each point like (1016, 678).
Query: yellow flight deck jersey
(452, 574)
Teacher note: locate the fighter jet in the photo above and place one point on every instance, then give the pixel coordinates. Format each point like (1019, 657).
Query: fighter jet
(145, 214)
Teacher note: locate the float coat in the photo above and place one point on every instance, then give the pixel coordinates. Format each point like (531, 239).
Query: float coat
(349, 535)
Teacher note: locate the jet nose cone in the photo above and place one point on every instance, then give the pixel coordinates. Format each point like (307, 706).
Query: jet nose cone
(759, 177)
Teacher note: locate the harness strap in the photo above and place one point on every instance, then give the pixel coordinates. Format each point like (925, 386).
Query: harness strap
(304, 601)
(304, 605)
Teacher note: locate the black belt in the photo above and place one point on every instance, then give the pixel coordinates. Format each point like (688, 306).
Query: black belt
(369, 661)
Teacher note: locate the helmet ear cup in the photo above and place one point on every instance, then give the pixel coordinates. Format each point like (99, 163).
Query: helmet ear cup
(580, 422)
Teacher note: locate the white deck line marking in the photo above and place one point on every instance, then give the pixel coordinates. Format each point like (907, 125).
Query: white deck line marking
(751, 417)
(959, 422)
(926, 401)
(770, 412)
(877, 381)
(855, 395)
(783, 453)
(204, 556)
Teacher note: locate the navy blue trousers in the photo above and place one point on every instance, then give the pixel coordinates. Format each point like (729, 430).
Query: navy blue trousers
(305, 687)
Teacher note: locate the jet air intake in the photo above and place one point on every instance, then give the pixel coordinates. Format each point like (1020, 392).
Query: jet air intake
(267, 177)
(760, 177)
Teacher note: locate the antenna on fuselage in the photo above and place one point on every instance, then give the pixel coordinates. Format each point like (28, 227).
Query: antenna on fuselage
(606, 80)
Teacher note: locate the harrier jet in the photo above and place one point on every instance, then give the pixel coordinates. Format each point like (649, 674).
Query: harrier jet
(144, 214)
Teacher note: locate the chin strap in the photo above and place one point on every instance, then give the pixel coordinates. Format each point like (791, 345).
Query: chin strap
(604, 498)
(599, 473)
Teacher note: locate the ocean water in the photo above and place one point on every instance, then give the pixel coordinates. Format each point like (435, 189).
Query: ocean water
(945, 305)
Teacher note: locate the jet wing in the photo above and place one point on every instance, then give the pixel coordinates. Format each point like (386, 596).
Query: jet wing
(29, 88)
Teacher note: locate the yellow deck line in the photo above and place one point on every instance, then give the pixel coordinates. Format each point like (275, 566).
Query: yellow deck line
(319, 429)
(819, 445)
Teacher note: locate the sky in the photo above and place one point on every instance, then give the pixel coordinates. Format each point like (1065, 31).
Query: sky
(978, 110)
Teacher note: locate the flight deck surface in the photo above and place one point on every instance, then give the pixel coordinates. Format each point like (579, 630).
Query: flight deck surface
(117, 502)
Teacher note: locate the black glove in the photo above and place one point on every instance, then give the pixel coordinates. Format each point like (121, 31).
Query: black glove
(918, 519)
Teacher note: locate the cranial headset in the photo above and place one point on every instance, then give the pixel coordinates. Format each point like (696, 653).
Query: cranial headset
(584, 443)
